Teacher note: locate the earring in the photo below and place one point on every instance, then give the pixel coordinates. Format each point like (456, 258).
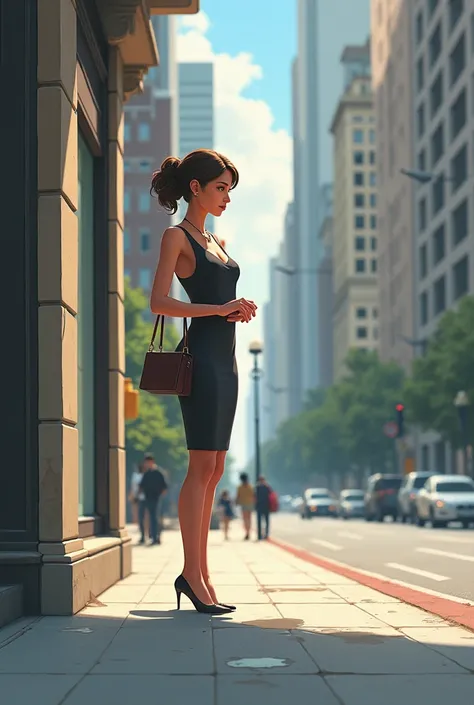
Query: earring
(195, 193)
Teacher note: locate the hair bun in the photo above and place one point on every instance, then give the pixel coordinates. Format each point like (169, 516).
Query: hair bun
(167, 184)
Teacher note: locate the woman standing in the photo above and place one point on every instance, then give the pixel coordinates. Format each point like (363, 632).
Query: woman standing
(246, 500)
(209, 276)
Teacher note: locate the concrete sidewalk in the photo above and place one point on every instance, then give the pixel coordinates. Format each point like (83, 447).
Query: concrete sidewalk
(300, 633)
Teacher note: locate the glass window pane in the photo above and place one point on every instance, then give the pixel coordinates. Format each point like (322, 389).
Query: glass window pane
(85, 332)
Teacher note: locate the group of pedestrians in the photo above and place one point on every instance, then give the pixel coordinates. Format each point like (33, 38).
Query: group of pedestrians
(261, 499)
(147, 490)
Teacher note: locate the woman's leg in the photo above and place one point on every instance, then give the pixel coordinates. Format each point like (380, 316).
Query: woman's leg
(191, 507)
(247, 522)
(226, 527)
(206, 518)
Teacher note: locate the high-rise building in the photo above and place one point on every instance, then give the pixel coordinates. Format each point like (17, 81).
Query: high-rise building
(196, 111)
(355, 323)
(325, 288)
(442, 63)
(392, 71)
(151, 134)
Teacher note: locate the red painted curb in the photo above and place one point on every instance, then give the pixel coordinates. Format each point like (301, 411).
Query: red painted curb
(455, 612)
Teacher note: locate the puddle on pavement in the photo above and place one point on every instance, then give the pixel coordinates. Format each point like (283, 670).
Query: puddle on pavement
(282, 623)
(265, 662)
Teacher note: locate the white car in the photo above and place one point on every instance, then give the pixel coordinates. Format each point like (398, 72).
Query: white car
(351, 504)
(318, 502)
(446, 498)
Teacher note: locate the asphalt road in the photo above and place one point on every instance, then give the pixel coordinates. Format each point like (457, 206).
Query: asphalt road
(438, 559)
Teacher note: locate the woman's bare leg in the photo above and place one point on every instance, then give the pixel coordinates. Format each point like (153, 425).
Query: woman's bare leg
(226, 527)
(206, 519)
(191, 506)
(247, 517)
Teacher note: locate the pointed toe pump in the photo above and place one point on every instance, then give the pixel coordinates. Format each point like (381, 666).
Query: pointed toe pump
(182, 586)
(227, 607)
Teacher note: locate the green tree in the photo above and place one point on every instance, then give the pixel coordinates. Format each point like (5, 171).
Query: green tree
(158, 428)
(447, 368)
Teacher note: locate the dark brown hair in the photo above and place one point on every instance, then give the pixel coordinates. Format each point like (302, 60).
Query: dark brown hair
(172, 181)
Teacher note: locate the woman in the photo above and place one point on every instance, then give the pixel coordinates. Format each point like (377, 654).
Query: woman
(226, 512)
(209, 276)
(246, 499)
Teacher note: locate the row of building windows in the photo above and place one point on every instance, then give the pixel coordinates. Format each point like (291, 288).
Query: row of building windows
(460, 287)
(361, 266)
(360, 222)
(363, 312)
(144, 239)
(360, 200)
(360, 243)
(363, 118)
(362, 333)
(142, 166)
(439, 248)
(359, 178)
(143, 132)
(143, 201)
(459, 215)
(457, 113)
(359, 157)
(440, 135)
(360, 136)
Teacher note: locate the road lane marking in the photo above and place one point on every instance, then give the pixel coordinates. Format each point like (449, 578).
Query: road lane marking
(350, 535)
(450, 539)
(446, 554)
(417, 571)
(327, 544)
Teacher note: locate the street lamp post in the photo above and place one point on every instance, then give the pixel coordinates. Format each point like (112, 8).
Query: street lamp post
(255, 349)
(461, 402)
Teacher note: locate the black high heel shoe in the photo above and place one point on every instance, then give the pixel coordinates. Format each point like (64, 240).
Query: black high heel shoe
(227, 607)
(181, 585)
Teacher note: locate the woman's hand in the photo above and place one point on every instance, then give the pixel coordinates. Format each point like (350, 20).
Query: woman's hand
(242, 310)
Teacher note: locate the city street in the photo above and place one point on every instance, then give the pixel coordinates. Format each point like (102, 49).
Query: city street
(437, 559)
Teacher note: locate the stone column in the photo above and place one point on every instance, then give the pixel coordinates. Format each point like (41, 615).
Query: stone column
(58, 300)
(117, 489)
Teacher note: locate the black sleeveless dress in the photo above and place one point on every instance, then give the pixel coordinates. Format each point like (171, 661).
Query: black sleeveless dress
(208, 413)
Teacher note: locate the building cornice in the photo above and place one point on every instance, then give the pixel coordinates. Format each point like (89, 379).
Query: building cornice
(127, 26)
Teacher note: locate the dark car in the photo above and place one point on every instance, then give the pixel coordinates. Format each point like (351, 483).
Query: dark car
(381, 497)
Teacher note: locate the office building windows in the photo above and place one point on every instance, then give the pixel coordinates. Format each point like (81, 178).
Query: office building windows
(359, 200)
(144, 131)
(373, 200)
(372, 178)
(439, 244)
(359, 222)
(439, 295)
(457, 59)
(420, 74)
(459, 168)
(373, 266)
(361, 312)
(358, 136)
(461, 278)
(144, 202)
(437, 144)
(144, 240)
(459, 223)
(435, 44)
(372, 157)
(373, 222)
(424, 308)
(360, 266)
(422, 160)
(358, 157)
(422, 215)
(419, 27)
(361, 332)
(144, 278)
(126, 240)
(358, 178)
(373, 244)
(360, 243)
(372, 136)
(420, 120)
(436, 94)
(458, 114)
(437, 194)
(423, 262)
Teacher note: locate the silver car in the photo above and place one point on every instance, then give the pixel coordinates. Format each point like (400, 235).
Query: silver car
(351, 504)
(407, 494)
(446, 498)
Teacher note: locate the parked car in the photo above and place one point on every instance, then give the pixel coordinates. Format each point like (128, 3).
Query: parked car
(446, 498)
(351, 504)
(318, 502)
(381, 496)
(411, 485)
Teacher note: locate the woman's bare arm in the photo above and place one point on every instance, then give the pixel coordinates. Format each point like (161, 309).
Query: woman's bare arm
(160, 300)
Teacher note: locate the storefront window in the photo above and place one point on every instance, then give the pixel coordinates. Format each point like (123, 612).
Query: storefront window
(85, 332)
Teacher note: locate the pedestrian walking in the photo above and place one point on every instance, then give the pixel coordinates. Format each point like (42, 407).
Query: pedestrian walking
(246, 500)
(262, 503)
(135, 496)
(226, 512)
(153, 486)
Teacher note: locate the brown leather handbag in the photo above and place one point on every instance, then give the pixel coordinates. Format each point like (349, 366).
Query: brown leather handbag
(167, 372)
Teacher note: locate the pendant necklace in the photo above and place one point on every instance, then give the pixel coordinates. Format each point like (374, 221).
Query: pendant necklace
(204, 233)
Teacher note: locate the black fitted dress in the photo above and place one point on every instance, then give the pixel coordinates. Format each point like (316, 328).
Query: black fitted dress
(208, 413)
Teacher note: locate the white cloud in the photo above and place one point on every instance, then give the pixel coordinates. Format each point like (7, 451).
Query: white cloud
(253, 225)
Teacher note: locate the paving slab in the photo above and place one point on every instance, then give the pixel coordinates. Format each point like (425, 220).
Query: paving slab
(454, 642)
(270, 689)
(401, 615)
(330, 615)
(38, 689)
(152, 690)
(302, 594)
(409, 689)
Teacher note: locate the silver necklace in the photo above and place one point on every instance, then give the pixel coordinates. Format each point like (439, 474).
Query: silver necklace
(204, 233)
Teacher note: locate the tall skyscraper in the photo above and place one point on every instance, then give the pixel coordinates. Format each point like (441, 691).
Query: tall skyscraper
(355, 323)
(151, 134)
(325, 288)
(392, 70)
(196, 110)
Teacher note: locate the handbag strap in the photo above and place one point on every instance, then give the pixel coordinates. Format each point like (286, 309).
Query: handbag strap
(162, 333)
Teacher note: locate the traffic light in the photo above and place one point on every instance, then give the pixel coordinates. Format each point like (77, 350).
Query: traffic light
(400, 409)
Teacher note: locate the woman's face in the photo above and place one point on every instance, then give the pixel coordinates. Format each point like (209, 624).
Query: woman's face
(214, 197)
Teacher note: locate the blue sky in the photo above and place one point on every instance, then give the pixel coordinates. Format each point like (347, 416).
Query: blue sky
(236, 26)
